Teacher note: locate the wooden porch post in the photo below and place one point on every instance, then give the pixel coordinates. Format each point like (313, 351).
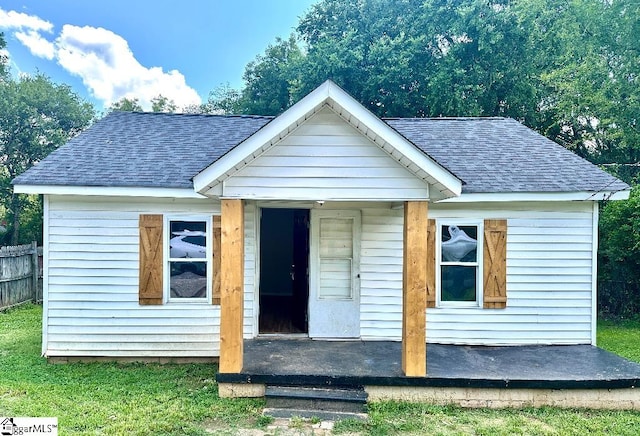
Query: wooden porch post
(231, 286)
(414, 289)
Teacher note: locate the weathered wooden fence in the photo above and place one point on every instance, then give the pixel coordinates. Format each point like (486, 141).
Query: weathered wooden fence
(19, 275)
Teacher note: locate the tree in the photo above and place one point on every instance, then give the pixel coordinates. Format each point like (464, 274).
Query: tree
(4, 61)
(162, 104)
(223, 100)
(272, 81)
(568, 69)
(619, 257)
(126, 105)
(403, 58)
(36, 117)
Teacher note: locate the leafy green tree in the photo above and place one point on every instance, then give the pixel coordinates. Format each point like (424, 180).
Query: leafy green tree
(223, 100)
(162, 104)
(271, 80)
(591, 70)
(619, 257)
(36, 117)
(568, 69)
(126, 105)
(4, 62)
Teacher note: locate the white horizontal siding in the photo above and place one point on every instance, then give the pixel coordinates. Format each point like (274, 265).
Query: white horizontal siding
(92, 280)
(549, 274)
(92, 284)
(325, 159)
(549, 279)
(381, 273)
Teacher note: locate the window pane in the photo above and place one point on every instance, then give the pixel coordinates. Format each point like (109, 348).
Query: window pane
(459, 243)
(188, 279)
(188, 239)
(458, 283)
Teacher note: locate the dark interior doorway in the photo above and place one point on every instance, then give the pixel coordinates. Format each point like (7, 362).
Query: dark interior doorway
(284, 270)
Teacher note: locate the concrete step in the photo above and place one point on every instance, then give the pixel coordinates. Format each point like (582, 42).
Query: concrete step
(309, 414)
(326, 399)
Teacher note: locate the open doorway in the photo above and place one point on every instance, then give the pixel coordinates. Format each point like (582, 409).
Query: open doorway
(284, 270)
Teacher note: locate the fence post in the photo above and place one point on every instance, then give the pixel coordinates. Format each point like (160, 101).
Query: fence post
(34, 270)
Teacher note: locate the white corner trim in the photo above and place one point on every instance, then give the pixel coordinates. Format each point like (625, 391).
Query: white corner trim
(537, 196)
(279, 127)
(45, 275)
(594, 274)
(107, 191)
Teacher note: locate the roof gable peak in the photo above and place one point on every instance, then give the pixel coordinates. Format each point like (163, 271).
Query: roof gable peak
(330, 95)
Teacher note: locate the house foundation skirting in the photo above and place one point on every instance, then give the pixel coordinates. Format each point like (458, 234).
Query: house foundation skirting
(612, 399)
(493, 398)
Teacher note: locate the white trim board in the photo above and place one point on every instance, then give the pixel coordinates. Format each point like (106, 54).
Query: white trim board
(108, 191)
(537, 196)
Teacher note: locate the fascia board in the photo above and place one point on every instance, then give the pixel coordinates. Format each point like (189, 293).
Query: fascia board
(108, 191)
(537, 196)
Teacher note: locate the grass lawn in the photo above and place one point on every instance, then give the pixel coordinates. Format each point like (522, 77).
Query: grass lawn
(113, 399)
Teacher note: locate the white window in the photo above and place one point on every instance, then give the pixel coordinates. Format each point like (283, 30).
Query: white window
(459, 263)
(188, 253)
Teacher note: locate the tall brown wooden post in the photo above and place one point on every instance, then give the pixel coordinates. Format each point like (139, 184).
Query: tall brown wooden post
(414, 289)
(231, 286)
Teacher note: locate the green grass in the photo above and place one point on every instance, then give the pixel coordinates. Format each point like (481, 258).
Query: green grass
(109, 398)
(622, 338)
(119, 399)
(388, 418)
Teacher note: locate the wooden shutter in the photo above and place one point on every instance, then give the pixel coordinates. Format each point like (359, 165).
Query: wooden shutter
(150, 290)
(495, 264)
(215, 295)
(431, 263)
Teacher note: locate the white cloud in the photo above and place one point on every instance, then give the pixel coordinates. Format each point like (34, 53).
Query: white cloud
(21, 21)
(26, 29)
(110, 71)
(37, 45)
(102, 59)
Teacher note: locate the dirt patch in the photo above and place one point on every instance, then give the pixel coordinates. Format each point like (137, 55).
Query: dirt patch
(279, 427)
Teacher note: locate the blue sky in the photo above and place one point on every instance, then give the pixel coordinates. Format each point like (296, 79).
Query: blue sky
(111, 49)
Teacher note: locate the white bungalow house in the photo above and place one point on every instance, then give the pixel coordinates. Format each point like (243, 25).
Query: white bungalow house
(173, 236)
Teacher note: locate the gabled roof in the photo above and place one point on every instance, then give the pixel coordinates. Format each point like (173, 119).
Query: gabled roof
(331, 95)
(148, 150)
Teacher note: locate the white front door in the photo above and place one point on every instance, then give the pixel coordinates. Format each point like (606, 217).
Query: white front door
(334, 279)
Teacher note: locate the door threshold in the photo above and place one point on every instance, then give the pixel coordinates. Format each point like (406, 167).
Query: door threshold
(282, 336)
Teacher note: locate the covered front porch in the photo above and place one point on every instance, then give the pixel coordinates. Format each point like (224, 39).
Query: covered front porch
(474, 376)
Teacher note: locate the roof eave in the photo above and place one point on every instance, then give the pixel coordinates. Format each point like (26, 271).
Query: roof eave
(107, 191)
(503, 197)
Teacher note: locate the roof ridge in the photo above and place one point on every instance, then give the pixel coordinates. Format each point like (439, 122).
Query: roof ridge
(470, 118)
(180, 114)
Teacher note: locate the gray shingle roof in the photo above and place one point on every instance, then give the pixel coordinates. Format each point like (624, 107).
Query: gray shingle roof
(490, 155)
(502, 155)
(134, 149)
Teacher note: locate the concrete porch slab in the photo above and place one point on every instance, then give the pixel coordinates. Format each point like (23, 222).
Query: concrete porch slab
(377, 363)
